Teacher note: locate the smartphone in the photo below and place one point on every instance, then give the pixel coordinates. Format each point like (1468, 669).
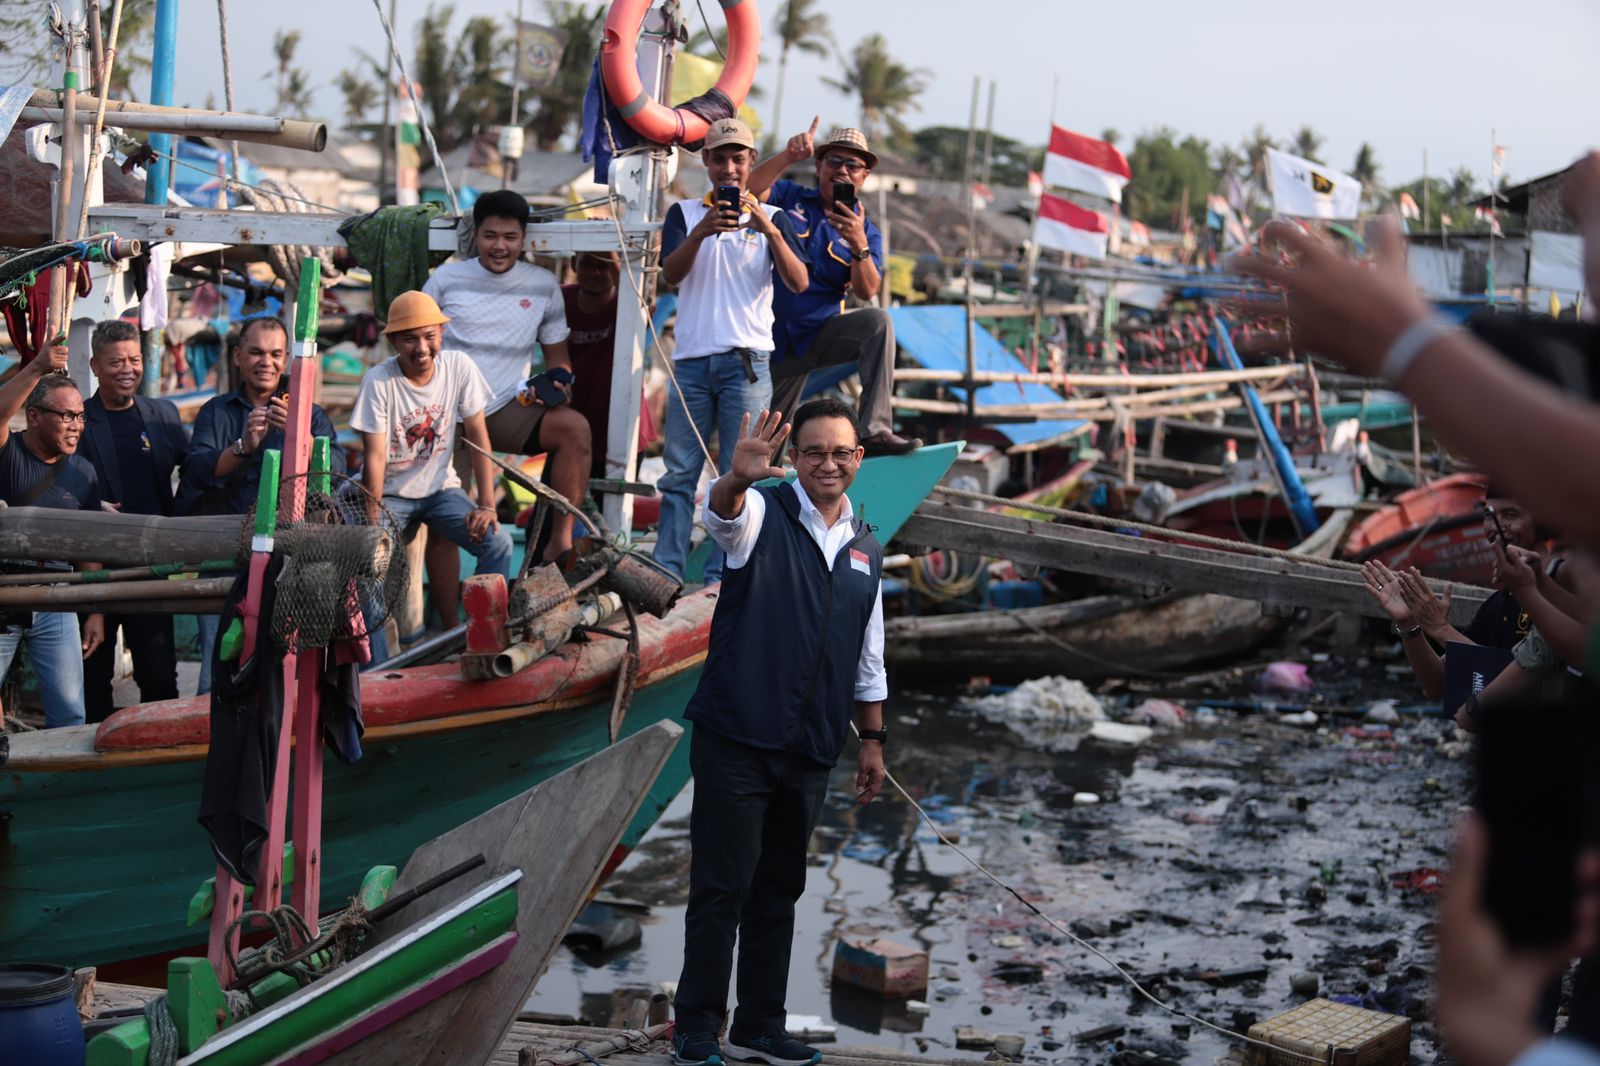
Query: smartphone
(844, 195)
(730, 198)
(1535, 792)
(282, 391)
(1499, 531)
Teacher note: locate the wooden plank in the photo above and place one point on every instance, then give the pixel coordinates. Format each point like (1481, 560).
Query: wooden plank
(1294, 582)
(1120, 381)
(562, 832)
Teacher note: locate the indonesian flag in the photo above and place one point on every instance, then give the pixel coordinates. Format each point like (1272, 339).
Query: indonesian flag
(1074, 161)
(1487, 217)
(1035, 184)
(1408, 206)
(1063, 225)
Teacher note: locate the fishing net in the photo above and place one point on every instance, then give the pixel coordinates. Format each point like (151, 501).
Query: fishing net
(344, 568)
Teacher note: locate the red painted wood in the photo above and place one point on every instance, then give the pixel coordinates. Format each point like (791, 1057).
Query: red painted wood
(269, 881)
(487, 602)
(224, 937)
(308, 790)
(429, 693)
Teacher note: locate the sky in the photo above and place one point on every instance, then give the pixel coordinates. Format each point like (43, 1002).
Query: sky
(1406, 75)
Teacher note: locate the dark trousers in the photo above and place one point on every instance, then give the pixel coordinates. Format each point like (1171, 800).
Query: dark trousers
(864, 337)
(753, 814)
(155, 662)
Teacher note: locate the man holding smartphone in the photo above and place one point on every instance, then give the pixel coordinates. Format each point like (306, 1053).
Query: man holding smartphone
(817, 328)
(722, 252)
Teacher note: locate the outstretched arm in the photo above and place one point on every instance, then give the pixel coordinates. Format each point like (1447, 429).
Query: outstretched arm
(769, 170)
(752, 462)
(14, 393)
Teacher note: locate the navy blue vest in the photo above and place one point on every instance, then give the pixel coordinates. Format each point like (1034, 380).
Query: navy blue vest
(786, 638)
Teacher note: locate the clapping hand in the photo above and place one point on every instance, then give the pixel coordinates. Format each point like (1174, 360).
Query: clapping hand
(1427, 610)
(1385, 586)
(752, 456)
(802, 145)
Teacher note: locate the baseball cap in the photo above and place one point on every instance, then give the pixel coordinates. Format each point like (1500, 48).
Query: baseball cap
(729, 131)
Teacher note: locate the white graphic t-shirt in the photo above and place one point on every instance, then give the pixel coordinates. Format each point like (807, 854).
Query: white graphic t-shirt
(420, 420)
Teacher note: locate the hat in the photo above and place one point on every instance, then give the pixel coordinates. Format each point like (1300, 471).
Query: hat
(729, 131)
(413, 310)
(847, 137)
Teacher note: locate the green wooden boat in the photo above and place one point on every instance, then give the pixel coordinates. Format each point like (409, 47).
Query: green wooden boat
(99, 848)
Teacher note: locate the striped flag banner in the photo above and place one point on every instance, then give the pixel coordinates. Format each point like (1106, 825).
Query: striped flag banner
(1063, 225)
(1084, 164)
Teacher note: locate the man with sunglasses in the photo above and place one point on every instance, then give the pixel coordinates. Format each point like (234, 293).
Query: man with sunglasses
(41, 467)
(796, 654)
(818, 327)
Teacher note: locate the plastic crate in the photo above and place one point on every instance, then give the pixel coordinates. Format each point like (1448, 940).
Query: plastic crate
(1334, 1033)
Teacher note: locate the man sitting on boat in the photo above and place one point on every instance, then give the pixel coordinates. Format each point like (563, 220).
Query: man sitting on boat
(722, 252)
(819, 327)
(40, 467)
(591, 305)
(407, 412)
(1422, 620)
(803, 577)
(134, 443)
(499, 307)
(232, 432)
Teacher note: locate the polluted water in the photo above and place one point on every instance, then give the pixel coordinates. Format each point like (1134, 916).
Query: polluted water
(1238, 856)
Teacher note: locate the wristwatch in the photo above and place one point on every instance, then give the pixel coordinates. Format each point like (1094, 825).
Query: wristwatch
(1406, 634)
(880, 735)
(238, 447)
(861, 254)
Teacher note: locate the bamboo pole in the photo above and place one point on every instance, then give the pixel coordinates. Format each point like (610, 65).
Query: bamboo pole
(57, 325)
(1024, 410)
(100, 577)
(71, 597)
(284, 132)
(1201, 377)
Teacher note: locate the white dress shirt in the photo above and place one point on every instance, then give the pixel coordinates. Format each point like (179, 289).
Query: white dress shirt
(737, 537)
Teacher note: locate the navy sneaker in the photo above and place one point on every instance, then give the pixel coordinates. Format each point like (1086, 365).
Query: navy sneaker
(776, 1048)
(696, 1049)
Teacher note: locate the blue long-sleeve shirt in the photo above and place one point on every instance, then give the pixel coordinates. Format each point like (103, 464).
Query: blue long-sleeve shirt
(221, 422)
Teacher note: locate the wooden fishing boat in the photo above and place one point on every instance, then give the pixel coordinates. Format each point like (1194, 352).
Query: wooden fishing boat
(1436, 528)
(1094, 637)
(101, 849)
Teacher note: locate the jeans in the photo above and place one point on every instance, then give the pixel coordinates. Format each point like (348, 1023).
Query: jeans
(718, 395)
(445, 512)
(753, 814)
(155, 662)
(207, 625)
(55, 648)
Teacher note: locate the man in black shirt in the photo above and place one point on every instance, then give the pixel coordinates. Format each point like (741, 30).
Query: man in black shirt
(134, 442)
(40, 468)
(1421, 620)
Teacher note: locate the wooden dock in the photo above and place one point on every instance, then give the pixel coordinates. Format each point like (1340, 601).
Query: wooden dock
(552, 1042)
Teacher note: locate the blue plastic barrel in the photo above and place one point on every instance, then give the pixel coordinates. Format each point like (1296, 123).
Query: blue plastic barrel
(38, 1016)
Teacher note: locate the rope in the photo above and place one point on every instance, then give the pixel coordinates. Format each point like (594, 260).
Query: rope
(1107, 522)
(338, 939)
(244, 185)
(422, 115)
(285, 197)
(227, 82)
(714, 43)
(1132, 981)
(163, 1032)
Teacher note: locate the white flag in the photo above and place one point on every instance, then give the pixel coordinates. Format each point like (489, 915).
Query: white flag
(1303, 189)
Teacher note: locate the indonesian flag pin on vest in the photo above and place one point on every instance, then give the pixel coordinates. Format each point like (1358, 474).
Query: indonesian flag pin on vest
(859, 561)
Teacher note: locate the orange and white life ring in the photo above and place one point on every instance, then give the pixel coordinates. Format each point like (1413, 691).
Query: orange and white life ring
(619, 69)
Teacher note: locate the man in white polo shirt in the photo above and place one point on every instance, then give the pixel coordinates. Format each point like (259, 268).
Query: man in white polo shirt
(722, 252)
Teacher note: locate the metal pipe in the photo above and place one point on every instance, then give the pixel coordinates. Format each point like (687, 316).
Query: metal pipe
(163, 68)
(287, 132)
(441, 644)
(204, 123)
(54, 597)
(517, 658)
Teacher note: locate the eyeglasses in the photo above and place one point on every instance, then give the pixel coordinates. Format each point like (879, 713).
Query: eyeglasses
(68, 418)
(844, 163)
(840, 456)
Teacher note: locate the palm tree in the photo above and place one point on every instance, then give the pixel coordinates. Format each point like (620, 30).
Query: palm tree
(296, 98)
(708, 43)
(479, 71)
(1307, 144)
(1111, 135)
(27, 52)
(1463, 186)
(360, 95)
(885, 87)
(1365, 170)
(561, 102)
(802, 28)
(283, 49)
(1254, 149)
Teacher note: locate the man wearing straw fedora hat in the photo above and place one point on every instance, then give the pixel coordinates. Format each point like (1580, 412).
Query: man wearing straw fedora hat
(817, 328)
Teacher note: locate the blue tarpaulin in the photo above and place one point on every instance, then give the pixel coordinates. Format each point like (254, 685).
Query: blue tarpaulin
(936, 337)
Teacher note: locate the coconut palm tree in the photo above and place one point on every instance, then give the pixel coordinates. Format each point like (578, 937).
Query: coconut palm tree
(1111, 135)
(561, 102)
(801, 27)
(284, 45)
(1365, 170)
(360, 95)
(1254, 149)
(885, 87)
(1307, 144)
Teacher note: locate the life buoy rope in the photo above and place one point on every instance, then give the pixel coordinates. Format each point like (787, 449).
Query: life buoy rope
(687, 123)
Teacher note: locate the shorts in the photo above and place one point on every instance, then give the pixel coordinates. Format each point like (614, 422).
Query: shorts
(510, 430)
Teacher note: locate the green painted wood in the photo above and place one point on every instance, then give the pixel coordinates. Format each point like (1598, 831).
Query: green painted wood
(66, 830)
(126, 1045)
(308, 300)
(886, 490)
(321, 464)
(205, 897)
(303, 1018)
(267, 493)
(270, 990)
(376, 886)
(195, 1001)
